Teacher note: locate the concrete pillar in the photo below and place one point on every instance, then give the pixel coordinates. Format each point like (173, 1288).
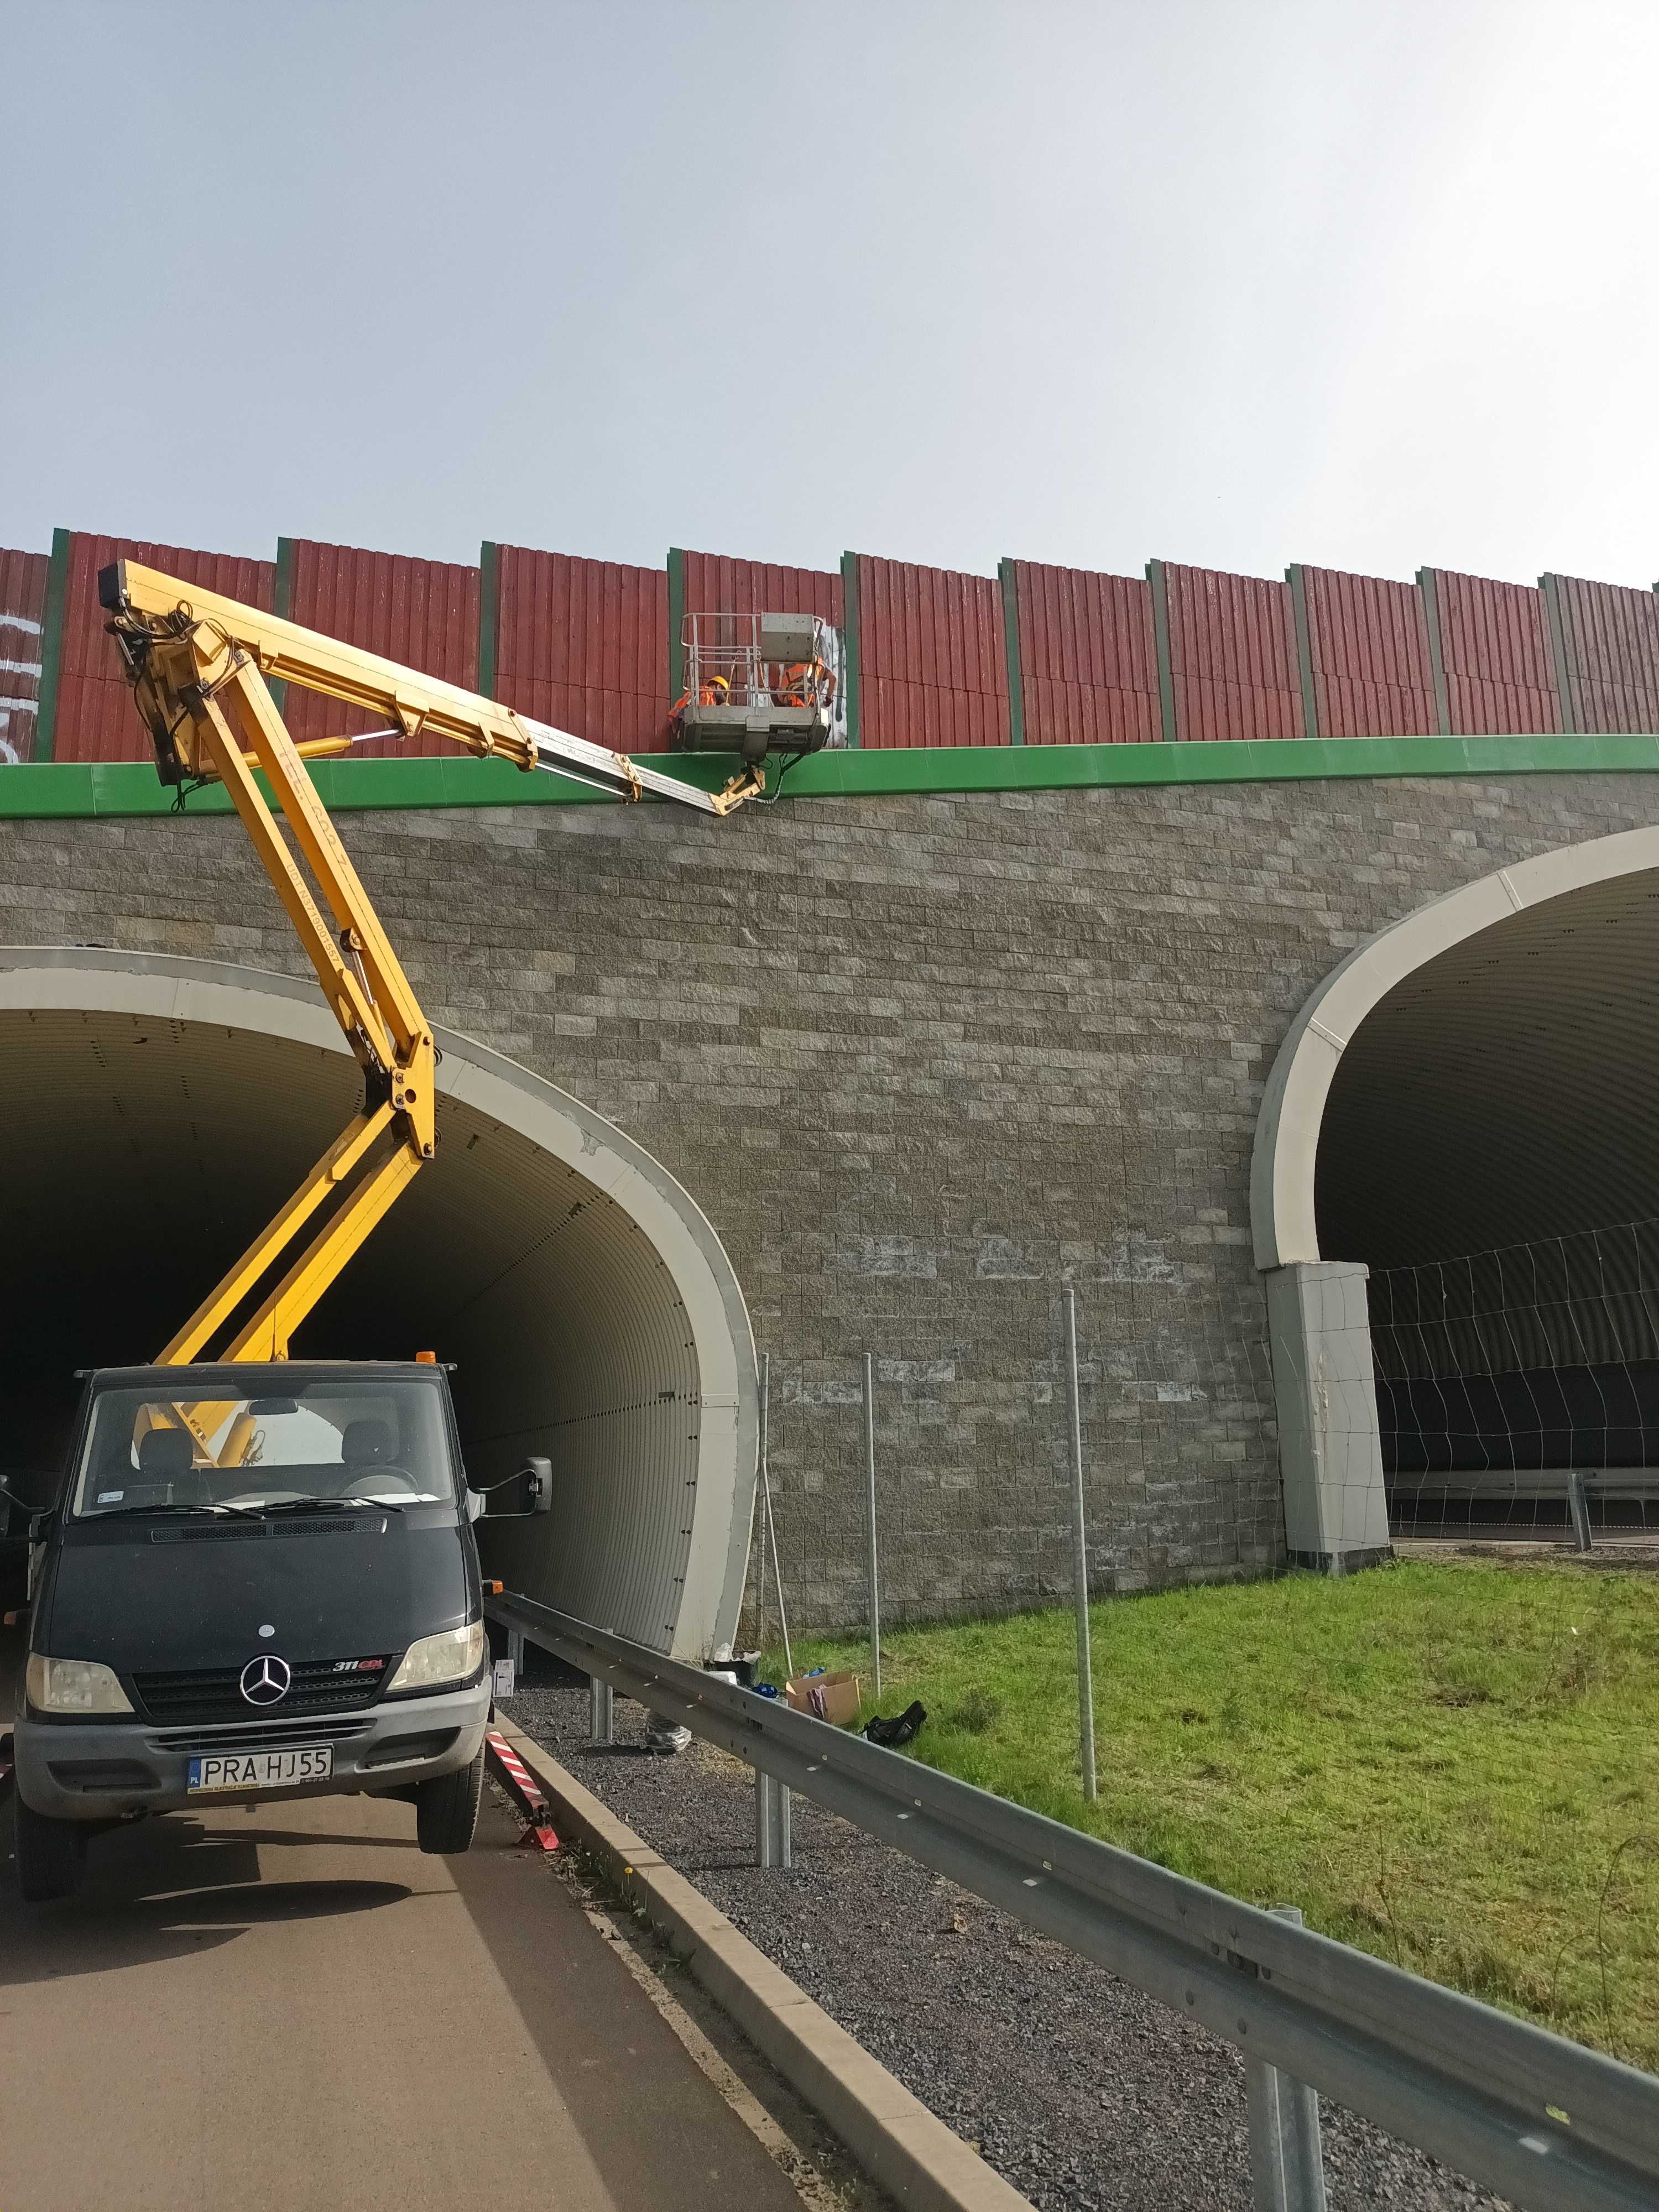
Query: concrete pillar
(1336, 1511)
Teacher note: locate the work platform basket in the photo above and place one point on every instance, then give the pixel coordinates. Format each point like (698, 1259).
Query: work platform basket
(760, 683)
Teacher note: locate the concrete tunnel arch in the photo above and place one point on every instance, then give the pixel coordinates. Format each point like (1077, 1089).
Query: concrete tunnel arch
(155, 1110)
(1478, 1074)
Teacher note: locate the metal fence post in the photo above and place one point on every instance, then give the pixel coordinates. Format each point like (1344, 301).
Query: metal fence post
(771, 1524)
(1085, 1674)
(772, 1840)
(601, 1717)
(869, 1484)
(760, 1469)
(1578, 1505)
(1287, 2167)
(515, 1653)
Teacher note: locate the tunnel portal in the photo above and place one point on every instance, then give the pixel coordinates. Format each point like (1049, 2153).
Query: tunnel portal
(1456, 1198)
(158, 1111)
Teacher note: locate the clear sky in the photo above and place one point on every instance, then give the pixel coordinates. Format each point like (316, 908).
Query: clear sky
(1232, 281)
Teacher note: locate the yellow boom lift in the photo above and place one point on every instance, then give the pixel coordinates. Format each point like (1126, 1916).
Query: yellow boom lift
(201, 667)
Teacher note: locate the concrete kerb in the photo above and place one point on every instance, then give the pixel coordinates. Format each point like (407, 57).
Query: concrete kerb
(899, 2143)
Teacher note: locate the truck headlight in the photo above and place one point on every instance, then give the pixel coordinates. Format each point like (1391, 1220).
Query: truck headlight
(454, 1655)
(74, 1685)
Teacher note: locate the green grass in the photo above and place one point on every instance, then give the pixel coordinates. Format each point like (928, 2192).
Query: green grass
(1453, 1766)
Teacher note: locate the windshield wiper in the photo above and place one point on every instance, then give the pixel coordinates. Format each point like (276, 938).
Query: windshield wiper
(317, 1505)
(115, 1512)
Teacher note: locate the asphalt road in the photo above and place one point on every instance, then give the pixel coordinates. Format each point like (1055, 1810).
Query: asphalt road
(293, 2009)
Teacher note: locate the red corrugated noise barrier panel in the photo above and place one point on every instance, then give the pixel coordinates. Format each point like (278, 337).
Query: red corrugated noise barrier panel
(422, 613)
(1088, 656)
(932, 663)
(22, 608)
(96, 719)
(584, 645)
(1367, 644)
(1494, 647)
(1610, 649)
(717, 584)
(1232, 655)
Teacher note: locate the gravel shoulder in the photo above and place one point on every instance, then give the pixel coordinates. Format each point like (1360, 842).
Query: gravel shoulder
(1084, 2094)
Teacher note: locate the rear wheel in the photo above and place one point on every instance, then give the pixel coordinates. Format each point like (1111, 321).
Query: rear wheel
(51, 1855)
(447, 1810)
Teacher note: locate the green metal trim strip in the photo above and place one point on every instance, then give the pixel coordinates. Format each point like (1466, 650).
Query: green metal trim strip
(66, 790)
(676, 624)
(282, 590)
(51, 644)
(282, 605)
(1155, 578)
(1297, 583)
(490, 599)
(1009, 589)
(1425, 583)
(849, 616)
(1550, 588)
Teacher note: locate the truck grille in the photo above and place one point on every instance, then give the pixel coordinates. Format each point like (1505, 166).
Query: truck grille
(270, 1736)
(215, 1694)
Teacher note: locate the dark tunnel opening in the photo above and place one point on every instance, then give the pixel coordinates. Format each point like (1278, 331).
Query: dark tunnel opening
(1487, 1152)
(144, 1151)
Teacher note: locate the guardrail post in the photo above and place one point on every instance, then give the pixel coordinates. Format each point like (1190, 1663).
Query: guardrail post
(515, 1652)
(600, 1716)
(1578, 1505)
(773, 1842)
(1287, 2167)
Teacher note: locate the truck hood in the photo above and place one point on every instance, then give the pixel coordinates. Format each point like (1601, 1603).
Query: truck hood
(155, 1596)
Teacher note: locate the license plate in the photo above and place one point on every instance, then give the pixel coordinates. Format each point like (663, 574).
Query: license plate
(260, 1770)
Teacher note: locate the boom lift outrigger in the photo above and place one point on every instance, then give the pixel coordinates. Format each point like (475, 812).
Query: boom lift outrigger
(198, 666)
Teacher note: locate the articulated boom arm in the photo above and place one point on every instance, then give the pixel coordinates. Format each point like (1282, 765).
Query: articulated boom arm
(198, 666)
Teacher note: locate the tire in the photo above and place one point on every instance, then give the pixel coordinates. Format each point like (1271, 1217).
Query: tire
(51, 1855)
(447, 1810)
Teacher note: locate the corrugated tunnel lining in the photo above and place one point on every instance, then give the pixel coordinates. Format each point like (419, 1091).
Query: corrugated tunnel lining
(1502, 1092)
(142, 1151)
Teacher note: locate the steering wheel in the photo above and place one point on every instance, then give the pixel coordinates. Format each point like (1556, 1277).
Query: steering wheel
(360, 1480)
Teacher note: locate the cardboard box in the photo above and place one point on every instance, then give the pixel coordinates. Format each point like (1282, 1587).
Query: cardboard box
(833, 1697)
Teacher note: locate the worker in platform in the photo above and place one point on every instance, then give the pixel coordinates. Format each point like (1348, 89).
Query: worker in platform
(805, 683)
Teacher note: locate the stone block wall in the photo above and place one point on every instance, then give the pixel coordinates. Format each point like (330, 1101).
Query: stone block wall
(923, 1060)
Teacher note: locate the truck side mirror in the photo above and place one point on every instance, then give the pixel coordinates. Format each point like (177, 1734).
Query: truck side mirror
(25, 1516)
(530, 1491)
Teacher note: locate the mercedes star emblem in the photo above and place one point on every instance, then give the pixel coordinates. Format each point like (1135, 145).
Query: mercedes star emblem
(265, 1679)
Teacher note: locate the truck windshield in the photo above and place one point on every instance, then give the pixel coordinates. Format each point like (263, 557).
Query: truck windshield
(326, 1440)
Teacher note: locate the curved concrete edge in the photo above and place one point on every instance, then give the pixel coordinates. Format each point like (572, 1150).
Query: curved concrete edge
(168, 986)
(899, 2143)
(1282, 1164)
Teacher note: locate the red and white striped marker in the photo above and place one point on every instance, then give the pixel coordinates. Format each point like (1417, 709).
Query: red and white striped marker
(523, 1788)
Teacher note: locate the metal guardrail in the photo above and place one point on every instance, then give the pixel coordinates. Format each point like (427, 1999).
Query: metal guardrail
(1537, 2118)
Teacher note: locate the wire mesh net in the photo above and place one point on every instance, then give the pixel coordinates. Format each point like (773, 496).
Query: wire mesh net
(1517, 1389)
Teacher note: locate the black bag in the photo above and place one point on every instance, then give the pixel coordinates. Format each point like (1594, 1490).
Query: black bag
(890, 1735)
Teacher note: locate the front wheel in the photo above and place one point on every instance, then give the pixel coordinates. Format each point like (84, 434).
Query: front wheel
(51, 1855)
(446, 1809)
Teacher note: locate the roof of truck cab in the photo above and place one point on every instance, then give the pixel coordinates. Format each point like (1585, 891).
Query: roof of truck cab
(175, 1380)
